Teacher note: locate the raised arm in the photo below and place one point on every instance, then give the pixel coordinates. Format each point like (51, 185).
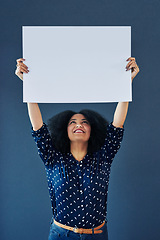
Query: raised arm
(33, 108)
(35, 116)
(120, 114)
(122, 107)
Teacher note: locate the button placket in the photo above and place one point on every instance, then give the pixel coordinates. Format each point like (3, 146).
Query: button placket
(82, 194)
(80, 173)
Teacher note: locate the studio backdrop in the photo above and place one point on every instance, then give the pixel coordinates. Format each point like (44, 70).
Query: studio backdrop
(133, 197)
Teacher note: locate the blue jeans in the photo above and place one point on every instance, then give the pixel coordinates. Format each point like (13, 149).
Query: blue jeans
(58, 233)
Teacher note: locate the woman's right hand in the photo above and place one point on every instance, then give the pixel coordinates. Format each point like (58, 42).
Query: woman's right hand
(21, 68)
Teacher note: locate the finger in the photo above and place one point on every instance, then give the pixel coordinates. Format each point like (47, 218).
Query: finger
(130, 58)
(133, 65)
(19, 71)
(20, 60)
(22, 64)
(23, 69)
(130, 63)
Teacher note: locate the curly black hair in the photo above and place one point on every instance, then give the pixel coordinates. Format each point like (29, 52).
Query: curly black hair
(58, 129)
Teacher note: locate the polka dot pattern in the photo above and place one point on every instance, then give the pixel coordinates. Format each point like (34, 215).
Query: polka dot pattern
(78, 189)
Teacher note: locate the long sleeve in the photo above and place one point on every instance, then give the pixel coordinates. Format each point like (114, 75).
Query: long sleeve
(112, 142)
(44, 144)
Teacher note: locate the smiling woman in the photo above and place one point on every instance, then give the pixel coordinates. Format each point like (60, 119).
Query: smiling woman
(77, 149)
(77, 174)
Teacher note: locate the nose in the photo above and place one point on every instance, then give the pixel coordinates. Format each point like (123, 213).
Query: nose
(79, 125)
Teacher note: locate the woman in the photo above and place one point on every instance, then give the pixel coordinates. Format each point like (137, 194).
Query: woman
(77, 151)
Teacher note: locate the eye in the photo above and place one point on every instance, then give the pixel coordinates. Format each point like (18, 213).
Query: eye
(85, 121)
(72, 122)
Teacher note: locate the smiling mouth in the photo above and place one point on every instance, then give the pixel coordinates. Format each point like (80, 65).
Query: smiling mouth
(78, 131)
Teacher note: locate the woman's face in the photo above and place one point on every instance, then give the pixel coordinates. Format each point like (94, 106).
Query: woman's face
(79, 128)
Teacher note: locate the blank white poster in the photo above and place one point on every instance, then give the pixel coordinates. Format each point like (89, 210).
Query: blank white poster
(77, 64)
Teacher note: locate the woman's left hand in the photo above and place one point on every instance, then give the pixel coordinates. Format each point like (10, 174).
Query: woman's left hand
(133, 66)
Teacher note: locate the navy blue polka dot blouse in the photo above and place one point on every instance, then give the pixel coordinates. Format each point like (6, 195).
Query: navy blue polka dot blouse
(78, 189)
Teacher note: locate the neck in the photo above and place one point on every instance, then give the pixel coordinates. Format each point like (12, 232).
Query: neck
(78, 150)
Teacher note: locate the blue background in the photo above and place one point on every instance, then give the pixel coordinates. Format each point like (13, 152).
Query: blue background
(134, 193)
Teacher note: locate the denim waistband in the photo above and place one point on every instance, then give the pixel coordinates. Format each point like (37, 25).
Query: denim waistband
(57, 232)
